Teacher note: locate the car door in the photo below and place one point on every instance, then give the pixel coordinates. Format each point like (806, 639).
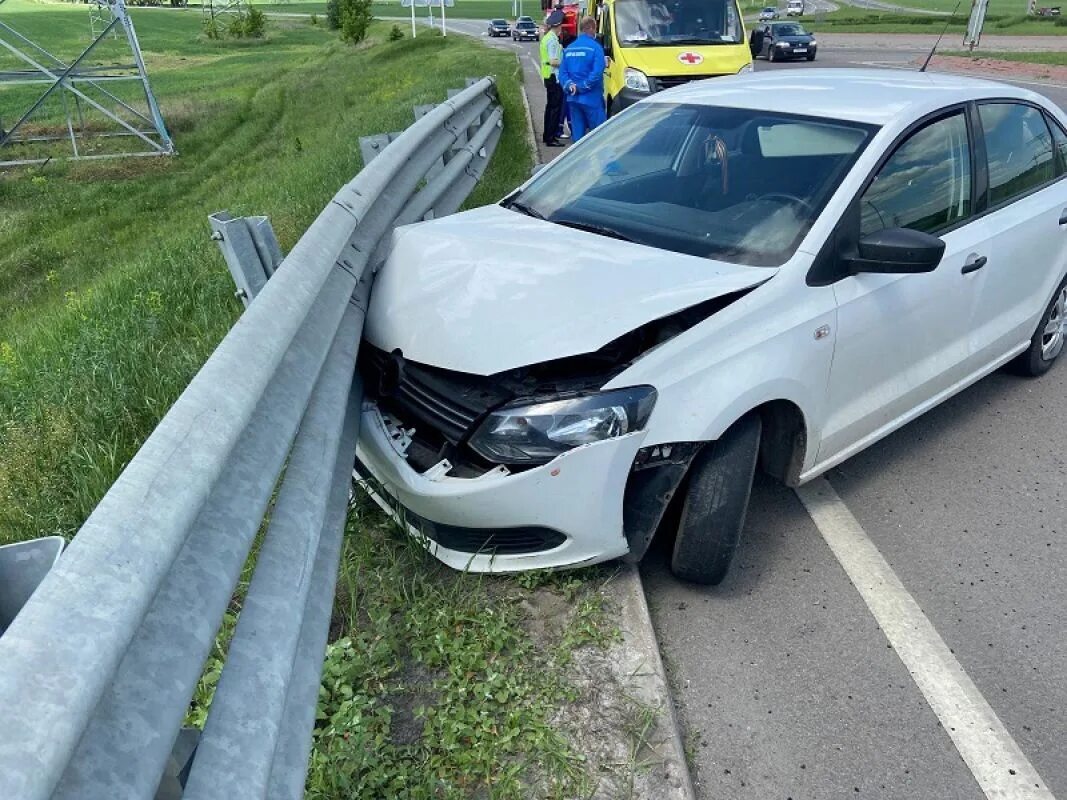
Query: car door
(902, 340)
(1027, 198)
(768, 40)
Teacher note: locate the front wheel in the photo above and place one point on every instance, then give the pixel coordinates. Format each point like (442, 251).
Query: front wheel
(716, 500)
(772, 55)
(811, 57)
(1048, 340)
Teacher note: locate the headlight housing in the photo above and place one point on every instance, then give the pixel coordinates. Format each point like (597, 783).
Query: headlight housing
(535, 433)
(747, 68)
(636, 80)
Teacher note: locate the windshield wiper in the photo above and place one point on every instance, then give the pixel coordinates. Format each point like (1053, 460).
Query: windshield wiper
(591, 227)
(522, 208)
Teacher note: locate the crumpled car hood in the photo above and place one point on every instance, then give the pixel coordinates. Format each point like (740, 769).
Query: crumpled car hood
(491, 289)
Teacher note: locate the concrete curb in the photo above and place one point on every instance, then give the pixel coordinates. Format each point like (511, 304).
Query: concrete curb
(638, 664)
(531, 137)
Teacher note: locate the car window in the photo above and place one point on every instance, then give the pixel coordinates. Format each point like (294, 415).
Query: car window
(737, 185)
(925, 185)
(1018, 149)
(1059, 143)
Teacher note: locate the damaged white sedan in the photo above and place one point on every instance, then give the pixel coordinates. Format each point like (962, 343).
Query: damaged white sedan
(770, 271)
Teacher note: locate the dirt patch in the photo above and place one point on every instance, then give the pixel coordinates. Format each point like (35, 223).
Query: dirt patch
(406, 728)
(996, 68)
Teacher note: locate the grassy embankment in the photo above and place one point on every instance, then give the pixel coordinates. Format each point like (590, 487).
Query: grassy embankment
(1054, 59)
(858, 20)
(111, 297)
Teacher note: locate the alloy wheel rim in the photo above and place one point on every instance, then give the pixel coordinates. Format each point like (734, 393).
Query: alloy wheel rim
(1052, 336)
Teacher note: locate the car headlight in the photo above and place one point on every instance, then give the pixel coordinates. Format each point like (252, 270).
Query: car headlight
(636, 80)
(812, 43)
(535, 433)
(746, 69)
(782, 44)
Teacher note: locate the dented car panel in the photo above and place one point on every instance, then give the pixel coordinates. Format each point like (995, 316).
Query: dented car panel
(577, 494)
(759, 349)
(489, 290)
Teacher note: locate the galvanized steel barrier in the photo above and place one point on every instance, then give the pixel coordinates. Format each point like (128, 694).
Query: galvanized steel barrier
(98, 668)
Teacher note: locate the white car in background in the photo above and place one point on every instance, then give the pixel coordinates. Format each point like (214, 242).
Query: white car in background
(732, 274)
(768, 13)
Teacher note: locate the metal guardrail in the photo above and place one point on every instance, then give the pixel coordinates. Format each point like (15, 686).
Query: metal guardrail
(98, 668)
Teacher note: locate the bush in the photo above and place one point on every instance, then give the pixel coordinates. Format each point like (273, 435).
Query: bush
(255, 23)
(395, 35)
(355, 20)
(314, 19)
(211, 28)
(333, 14)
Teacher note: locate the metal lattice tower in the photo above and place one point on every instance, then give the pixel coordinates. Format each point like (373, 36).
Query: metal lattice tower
(98, 104)
(219, 13)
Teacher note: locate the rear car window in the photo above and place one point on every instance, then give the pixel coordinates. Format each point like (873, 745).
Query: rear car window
(1018, 149)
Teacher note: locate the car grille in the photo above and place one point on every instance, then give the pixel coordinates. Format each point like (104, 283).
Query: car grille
(670, 81)
(447, 403)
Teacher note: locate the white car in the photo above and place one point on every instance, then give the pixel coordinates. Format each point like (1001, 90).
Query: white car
(769, 13)
(732, 274)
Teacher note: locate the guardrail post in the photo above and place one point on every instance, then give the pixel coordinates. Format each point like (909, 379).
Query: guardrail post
(251, 251)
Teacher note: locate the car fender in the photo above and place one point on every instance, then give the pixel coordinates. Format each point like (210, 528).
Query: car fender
(775, 343)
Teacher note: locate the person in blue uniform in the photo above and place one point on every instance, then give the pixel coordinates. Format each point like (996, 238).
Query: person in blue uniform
(581, 74)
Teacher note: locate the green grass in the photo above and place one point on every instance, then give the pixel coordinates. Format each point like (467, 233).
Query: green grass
(111, 293)
(1055, 59)
(111, 297)
(857, 20)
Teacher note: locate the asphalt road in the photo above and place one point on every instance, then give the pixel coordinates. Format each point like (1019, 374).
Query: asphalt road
(786, 683)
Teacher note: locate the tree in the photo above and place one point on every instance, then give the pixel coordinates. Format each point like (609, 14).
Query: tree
(356, 18)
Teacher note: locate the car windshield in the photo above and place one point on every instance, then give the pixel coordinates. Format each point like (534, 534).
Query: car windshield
(769, 10)
(790, 30)
(498, 22)
(524, 24)
(729, 184)
(643, 23)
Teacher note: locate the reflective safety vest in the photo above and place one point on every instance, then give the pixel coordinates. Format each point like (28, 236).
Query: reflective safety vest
(550, 49)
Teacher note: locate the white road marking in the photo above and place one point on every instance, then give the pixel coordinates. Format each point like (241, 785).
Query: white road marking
(1000, 767)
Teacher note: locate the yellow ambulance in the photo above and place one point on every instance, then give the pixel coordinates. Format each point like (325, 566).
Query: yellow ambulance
(657, 44)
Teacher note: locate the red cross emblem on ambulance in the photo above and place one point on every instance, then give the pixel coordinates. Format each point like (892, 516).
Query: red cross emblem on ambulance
(692, 59)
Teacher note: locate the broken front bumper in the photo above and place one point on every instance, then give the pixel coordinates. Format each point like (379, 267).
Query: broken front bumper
(568, 511)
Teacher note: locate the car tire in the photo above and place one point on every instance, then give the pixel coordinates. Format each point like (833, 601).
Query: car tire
(811, 57)
(1045, 347)
(772, 55)
(716, 500)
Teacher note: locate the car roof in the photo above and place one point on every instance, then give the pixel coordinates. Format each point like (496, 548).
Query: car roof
(873, 96)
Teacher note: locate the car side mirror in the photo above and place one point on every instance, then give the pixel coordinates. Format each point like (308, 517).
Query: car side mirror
(897, 251)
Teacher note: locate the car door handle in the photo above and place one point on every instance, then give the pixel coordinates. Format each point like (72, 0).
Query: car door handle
(1063, 217)
(974, 263)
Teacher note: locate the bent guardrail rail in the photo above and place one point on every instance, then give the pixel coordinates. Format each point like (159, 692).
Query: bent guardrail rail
(98, 668)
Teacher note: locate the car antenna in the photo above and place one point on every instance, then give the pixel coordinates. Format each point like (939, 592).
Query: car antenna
(933, 49)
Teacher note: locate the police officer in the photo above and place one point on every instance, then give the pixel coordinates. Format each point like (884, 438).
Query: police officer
(581, 74)
(551, 52)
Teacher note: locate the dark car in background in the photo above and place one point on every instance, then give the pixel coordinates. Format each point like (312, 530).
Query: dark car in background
(499, 27)
(778, 41)
(525, 28)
